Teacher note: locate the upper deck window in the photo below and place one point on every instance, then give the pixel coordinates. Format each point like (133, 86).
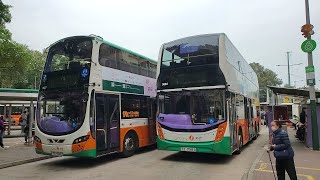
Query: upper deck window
(69, 54)
(191, 52)
(118, 59)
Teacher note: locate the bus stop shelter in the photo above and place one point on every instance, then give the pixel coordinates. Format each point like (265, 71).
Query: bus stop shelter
(23, 97)
(303, 95)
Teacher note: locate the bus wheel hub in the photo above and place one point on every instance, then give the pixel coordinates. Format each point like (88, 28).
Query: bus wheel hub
(129, 143)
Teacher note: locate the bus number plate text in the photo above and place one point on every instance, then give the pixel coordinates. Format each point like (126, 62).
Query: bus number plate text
(56, 154)
(188, 149)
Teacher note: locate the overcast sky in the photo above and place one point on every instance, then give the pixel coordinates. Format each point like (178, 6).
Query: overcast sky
(262, 30)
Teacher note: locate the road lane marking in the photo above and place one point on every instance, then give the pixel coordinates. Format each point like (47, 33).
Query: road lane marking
(264, 166)
(303, 175)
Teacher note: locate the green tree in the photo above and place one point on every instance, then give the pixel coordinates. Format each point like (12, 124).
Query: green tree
(14, 60)
(33, 71)
(5, 15)
(20, 67)
(266, 77)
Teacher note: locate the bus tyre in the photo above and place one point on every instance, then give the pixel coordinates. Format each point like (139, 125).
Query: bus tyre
(240, 143)
(130, 144)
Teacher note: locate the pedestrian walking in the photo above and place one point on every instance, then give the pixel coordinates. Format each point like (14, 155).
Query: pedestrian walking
(2, 129)
(23, 120)
(283, 152)
(26, 133)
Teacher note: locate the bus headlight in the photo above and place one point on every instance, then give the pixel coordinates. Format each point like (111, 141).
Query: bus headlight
(81, 139)
(160, 133)
(220, 133)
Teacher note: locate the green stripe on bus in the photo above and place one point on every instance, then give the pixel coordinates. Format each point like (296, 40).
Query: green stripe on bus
(122, 87)
(18, 90)
(221, 147)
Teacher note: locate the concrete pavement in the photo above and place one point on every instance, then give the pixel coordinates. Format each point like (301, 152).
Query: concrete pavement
(18, 153)
(148, 164)
(306, 161)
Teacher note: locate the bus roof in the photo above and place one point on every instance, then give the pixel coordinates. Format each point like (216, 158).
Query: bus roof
(98, 38)
(199, 35)
(126, 50)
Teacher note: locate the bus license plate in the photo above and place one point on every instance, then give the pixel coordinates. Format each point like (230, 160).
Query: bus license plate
(188, 149)
(56, 154)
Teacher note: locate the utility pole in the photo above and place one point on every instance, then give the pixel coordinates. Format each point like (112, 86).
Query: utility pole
(288, 57)
(288, 65)
(313, 105)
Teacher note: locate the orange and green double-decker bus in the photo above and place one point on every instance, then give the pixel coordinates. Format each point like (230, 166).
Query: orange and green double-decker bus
(208, 96)
(95, 98)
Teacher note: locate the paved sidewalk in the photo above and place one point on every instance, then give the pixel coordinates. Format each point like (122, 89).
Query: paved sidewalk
(306, 161)
(18, 153)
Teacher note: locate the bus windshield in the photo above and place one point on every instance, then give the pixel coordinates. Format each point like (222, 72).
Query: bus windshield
(61, 113)
(190, 62)
(191, 51)
(204, 106)
(69, 53)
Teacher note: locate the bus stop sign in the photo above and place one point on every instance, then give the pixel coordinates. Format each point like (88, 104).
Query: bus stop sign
(311, 81)
(308, 45)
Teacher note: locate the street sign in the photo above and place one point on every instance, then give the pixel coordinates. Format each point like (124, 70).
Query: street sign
(311, 82)
(308, 45)
(309, 69)
(310, 75)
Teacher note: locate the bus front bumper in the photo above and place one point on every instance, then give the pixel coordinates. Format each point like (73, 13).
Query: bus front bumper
(63, 150)
(221, 147)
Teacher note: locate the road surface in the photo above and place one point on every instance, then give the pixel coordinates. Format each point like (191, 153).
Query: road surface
(149, 164)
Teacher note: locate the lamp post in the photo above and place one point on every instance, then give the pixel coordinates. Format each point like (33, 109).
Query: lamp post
(312, 91)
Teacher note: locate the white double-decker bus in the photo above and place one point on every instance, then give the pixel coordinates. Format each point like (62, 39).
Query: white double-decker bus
(95, 98)
(207, 96)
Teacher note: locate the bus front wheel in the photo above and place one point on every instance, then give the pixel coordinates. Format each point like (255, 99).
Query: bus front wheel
(130, 144)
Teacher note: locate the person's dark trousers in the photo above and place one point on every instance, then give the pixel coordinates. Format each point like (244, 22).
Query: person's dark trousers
(26, 133)
(26, 137)
(1, 139)
(284, 165)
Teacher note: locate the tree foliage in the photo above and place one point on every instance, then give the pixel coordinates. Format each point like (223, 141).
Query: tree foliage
(20, 67)
(5, 15)
(266, 77)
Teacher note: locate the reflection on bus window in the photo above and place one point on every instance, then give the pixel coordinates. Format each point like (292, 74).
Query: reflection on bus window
(118, 59)
(69, 54)
(204, 106)
(61, 113)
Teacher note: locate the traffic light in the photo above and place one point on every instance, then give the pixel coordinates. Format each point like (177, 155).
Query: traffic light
(307, 30)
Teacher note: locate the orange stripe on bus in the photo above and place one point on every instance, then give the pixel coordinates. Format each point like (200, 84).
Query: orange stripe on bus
(87, 145)
(243, 123)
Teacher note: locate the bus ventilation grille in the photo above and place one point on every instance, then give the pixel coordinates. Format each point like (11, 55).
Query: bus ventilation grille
(56, 140)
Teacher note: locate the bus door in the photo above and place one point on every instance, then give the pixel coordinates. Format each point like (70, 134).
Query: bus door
(233, 121)
(152, 108)
(250, 120)
(107, 123)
